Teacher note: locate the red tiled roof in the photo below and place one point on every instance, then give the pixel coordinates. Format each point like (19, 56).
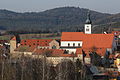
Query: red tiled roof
(89, 40)
(112, 56)
(36, 42)
(71, 36)
(100, 51)
(39, 51)
(53, 52)
(25, 48)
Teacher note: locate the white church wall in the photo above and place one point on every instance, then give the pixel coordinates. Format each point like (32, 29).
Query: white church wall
(65, 43)
(88, 28)
(71, 50)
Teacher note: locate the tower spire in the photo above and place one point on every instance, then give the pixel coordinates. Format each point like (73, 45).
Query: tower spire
(88, 24)
(88, 21)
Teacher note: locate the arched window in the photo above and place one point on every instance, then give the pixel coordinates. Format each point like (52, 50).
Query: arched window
(73, 44)
(68, 44)
(53, 47)
(79, 44)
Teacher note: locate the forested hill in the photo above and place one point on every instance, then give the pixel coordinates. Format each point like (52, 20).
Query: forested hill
(63, 18)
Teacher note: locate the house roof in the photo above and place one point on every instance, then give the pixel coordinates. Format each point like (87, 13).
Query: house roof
(111, 56)
(36, 42)
(89, 40)
(99, 51)
(52, 52)
(25, 48)
(71, 36)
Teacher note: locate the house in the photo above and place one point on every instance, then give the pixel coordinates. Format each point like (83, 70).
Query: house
(54, 56)
(41, 43)
(38, 43)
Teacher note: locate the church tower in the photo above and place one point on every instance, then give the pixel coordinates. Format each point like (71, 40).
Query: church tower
(13, 44)
(88, 24)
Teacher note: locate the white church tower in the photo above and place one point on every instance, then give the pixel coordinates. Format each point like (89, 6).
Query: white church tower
(88, 24)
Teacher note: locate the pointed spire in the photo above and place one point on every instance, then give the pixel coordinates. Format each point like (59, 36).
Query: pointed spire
(88, 21)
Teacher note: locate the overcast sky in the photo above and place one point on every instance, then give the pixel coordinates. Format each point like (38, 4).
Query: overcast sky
(106, 6)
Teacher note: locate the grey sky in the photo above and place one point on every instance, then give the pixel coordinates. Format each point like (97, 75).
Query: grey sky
(107, 6)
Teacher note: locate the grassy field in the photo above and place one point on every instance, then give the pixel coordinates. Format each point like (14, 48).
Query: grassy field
(32, 36)
(6, 37)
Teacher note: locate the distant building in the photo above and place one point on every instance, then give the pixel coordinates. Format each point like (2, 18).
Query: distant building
(41, 43)
(117, 38)
(30, 43)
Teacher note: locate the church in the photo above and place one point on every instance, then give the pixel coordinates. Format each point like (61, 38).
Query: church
(73, 41)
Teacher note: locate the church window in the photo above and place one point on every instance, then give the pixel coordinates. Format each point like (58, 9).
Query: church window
(68, 44)
(73, 44)
(87, 29)
(53, 47)
(78, 44)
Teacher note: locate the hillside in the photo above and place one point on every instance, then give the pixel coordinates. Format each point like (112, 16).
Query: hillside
(63, 19)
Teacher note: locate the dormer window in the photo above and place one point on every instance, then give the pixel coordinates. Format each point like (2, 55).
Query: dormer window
(53, 47)
(78, 44)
